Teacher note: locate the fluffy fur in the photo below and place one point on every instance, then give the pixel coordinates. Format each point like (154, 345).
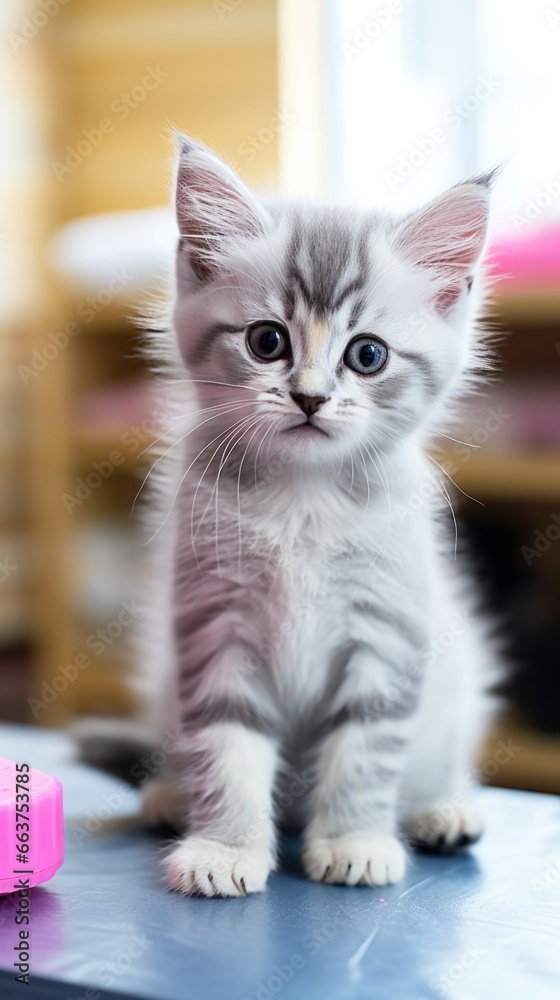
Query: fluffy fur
(326, 668)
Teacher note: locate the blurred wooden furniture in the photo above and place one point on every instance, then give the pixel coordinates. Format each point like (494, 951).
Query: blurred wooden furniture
(23, 212)
(528, 759)
(528, 355)
(515, 475)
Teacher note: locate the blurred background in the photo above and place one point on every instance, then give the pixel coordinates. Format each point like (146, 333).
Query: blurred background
(380, 102)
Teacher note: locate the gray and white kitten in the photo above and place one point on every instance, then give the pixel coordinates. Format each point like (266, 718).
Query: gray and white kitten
(327, 667)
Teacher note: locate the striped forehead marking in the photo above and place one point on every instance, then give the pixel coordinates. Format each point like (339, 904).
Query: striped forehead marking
(326, 264)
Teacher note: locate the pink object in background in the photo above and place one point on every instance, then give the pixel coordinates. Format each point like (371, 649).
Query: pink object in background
(531, 259)
(39, 808)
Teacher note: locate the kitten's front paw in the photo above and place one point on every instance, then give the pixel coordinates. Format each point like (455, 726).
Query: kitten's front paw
(199, 866)
(355, 859)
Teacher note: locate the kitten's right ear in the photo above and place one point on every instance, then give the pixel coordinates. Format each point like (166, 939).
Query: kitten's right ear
(215, 210)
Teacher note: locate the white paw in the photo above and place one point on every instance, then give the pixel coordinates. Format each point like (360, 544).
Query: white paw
(356, 859)
(208, 868)
(163, 804)
(445, 827)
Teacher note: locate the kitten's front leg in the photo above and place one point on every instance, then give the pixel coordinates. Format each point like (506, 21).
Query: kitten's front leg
(229, 850)
(351, 838)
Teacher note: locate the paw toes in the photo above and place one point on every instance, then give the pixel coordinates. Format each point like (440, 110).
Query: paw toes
(465, 839)
(209, 868)
(355, 859)
(445, 828)
(179, 876)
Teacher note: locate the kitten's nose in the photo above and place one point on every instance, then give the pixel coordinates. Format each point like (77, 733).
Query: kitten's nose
(309, 404)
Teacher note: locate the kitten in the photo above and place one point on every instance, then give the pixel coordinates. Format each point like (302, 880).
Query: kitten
(328, 668)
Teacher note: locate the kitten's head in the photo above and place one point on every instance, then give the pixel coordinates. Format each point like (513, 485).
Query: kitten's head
(321, 330)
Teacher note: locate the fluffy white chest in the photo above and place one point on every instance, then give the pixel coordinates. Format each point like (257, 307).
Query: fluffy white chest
(311, 620)
(311, 624)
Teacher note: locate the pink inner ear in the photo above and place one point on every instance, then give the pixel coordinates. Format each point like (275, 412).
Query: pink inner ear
(447, 298)
(214, 209)
(447, 238)
(449, 235)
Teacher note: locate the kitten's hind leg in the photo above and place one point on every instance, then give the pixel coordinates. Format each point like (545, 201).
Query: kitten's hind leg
(444, 827)
(437, 813)
(164, 803)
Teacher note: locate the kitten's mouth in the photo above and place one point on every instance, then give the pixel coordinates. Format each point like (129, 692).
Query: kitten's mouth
(306, 429)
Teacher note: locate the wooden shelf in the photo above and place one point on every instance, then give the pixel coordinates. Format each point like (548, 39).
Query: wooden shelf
(119, 317)
(530, 760)
(90, 445)
(516, 476)
(526, 305)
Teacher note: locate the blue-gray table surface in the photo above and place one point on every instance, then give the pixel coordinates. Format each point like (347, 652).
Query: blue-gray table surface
(479, 926)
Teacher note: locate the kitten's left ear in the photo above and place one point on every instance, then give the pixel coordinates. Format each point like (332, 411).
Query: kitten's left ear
(448, 238)
(215, 210)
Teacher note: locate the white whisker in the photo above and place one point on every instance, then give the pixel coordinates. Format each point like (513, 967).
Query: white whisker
(259, 449)
(467, 444)
(191, 416)
(467, 495)
(222, 413)
(183, 477)
(244, 431)
(231, 432)
(445, 494)
(207, 381)
(238, 494)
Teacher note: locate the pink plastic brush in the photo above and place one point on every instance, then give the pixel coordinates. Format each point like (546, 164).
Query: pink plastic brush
(31, 826)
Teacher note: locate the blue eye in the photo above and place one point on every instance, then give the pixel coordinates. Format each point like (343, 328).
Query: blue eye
(365, 355)
(268, 341)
